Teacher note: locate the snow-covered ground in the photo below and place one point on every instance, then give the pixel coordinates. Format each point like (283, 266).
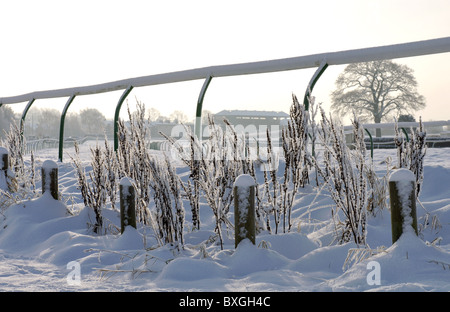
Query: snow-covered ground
(44, 249)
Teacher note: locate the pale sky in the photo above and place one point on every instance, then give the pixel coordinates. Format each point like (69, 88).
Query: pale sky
(48, 45)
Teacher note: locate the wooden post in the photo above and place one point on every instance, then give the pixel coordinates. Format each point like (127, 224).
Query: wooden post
(127, 204)
(402, 190)
(244, 209)
(8, 181)
(3, 159)
(50, 178)
(4, 169)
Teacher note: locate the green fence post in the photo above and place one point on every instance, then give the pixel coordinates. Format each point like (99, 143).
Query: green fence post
(22, 119)
(244, 209)
(371, 142)
(61, 128)
(116, 116)
(402, 190)
(322, 67)
(8, 181)
(198, 113)
(406, 134)
(49, 174)
(127, 204)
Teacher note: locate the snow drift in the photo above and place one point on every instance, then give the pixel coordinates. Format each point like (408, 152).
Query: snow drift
(40, 237)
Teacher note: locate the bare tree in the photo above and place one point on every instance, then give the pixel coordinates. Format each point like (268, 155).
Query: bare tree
(153, 114)
(178, 117)
(47, 124)
(72, 125)
(6, 119)
(376, 90)
(92, 120)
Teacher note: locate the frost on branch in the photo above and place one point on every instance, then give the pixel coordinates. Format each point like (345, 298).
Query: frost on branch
(411, 153)
(344, 171)
(280, 192)
(165, 187)
(92, 185)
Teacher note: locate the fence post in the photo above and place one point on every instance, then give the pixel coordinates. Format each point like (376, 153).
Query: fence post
(8, 180)
(50, 178)
(3, 159)
(4, 169)
(116, 116)
(244, 209)
(402, 189)
(127, 204)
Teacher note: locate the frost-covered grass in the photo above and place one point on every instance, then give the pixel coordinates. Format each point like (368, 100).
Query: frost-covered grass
(322, 220)
(38, 238)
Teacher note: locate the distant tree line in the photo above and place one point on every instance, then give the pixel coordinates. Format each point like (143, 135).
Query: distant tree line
(6, 118)
(41, 123)
(44, 122)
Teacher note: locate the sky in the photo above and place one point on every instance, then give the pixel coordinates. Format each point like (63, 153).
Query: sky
(47, 45)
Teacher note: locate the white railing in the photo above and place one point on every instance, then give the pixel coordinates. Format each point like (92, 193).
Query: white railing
(433, 46)
(322, 60)
(407, 124)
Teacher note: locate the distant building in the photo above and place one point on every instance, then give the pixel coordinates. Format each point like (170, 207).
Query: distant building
(170, 129)
(250, 120)
(251, 117)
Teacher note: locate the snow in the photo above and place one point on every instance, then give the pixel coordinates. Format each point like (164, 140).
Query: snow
(402, 174)
(405, 189)
(408, 265)
(405, 181)
(126, 184)
(43, 241)
(49, 164)
(3, 184)
(244, 180)
(125, 181)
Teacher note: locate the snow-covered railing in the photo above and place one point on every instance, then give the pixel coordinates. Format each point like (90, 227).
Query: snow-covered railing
(40, 144)
(406, 124)
(401, 125)
(432, 46)
(322, 60)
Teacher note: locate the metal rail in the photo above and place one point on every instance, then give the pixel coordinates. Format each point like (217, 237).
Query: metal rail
(61, 127)
(402, 125)
(433, 46)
